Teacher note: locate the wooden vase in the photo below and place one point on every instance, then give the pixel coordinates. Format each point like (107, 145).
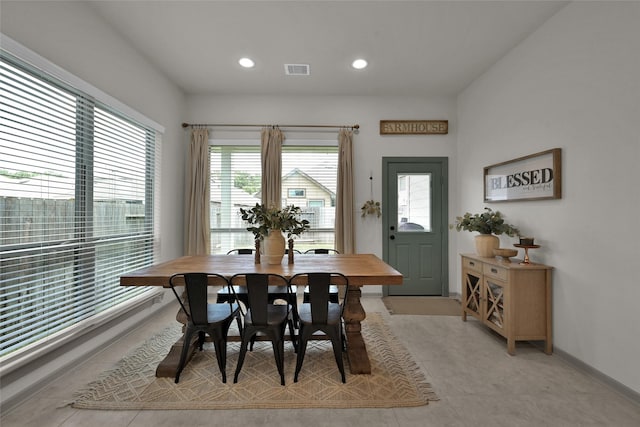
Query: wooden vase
(485, 244)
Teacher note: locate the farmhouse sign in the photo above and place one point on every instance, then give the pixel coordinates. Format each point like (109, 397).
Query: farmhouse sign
(414, 127)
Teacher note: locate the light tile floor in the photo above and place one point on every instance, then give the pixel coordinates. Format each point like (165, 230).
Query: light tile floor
(478, 383)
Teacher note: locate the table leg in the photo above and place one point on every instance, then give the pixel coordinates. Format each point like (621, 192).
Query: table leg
(169, 365)
(356, 348)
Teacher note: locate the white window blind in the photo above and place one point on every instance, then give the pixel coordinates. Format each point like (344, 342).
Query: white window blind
(76, 205)
(309, 177)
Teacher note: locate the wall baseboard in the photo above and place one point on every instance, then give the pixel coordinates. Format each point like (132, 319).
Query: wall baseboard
(627, 392)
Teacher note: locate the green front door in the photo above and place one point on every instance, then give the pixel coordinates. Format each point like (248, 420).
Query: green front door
(414, 222)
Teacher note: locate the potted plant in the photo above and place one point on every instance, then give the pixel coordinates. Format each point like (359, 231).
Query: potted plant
(489, 224)
(371, 207)
(268, 225)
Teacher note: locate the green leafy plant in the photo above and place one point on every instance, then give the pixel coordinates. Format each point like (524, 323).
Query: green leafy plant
(487, 222)
(371, 207)
(262, 219)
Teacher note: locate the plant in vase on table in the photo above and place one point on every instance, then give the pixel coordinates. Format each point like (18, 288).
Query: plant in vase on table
(489, 224)
(268, 225)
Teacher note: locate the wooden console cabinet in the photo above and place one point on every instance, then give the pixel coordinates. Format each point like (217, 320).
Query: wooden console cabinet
(511, 298)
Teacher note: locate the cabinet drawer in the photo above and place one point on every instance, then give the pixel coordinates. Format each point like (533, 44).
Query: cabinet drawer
(495, 271)
(472, 264)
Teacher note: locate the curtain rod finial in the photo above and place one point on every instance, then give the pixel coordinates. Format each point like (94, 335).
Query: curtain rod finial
(185, 125)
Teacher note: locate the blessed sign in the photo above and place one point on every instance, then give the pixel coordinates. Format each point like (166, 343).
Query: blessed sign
(414, 127)
(531, 177)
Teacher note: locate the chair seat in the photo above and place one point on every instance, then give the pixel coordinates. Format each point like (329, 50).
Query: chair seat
(281, 292)
(224, 294)
(334, 297)
(333, 316)
(276, 314)
(219, 312)
(275, 292)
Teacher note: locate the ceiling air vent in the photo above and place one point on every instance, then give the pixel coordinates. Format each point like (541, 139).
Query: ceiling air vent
(296, 69)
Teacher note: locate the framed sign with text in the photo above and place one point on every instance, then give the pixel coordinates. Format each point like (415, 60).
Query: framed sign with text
(414, 127)
(534, 177)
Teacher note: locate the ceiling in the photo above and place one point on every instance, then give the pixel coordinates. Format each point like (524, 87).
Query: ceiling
(433, 48)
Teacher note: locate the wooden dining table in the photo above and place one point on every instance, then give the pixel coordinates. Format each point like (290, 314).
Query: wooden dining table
(360, 269)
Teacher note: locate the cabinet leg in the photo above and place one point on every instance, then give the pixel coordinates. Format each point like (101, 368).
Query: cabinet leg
(511, 347)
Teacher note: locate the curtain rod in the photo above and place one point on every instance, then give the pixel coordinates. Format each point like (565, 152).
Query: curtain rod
(352, 127)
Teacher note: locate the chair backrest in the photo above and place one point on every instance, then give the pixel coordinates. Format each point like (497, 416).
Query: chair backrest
(196, 286)
(258, 292)
(241, 251)
(322, 251)
(319, 285)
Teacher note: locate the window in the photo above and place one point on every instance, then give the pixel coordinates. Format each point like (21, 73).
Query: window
(296, 192)
(76, 205)
(309, 180)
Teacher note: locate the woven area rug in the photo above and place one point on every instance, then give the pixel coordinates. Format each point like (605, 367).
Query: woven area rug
(432, 306)
(395, 381)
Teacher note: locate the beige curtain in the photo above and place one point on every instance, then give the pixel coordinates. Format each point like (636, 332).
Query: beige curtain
(271, 143)
(197, 227)
(345, 212)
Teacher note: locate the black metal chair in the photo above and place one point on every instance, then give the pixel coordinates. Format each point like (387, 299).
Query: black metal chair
(265, 318)
(240, 292)
(203, 317)
(241, 251)
(321, 315)
(322, 251)
(333, 290)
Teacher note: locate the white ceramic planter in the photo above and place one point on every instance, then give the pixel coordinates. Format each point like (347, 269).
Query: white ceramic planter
(272, 247)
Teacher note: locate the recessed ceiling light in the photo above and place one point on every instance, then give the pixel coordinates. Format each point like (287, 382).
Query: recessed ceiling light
(359, 64)
(246, 62)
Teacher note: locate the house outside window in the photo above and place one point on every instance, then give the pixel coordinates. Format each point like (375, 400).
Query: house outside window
(309, 174)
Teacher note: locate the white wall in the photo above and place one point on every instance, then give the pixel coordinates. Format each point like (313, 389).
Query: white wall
(573, 84)
(369, 145)
(75, 38)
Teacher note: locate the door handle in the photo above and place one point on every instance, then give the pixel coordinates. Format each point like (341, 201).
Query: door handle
(392, 228)
(392, 237)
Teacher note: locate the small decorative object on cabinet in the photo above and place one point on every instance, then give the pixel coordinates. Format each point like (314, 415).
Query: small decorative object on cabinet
(505, 253)
(512, 299)
(526, 251)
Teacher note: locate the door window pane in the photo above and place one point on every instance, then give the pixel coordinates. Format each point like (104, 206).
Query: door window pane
(414, 202)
